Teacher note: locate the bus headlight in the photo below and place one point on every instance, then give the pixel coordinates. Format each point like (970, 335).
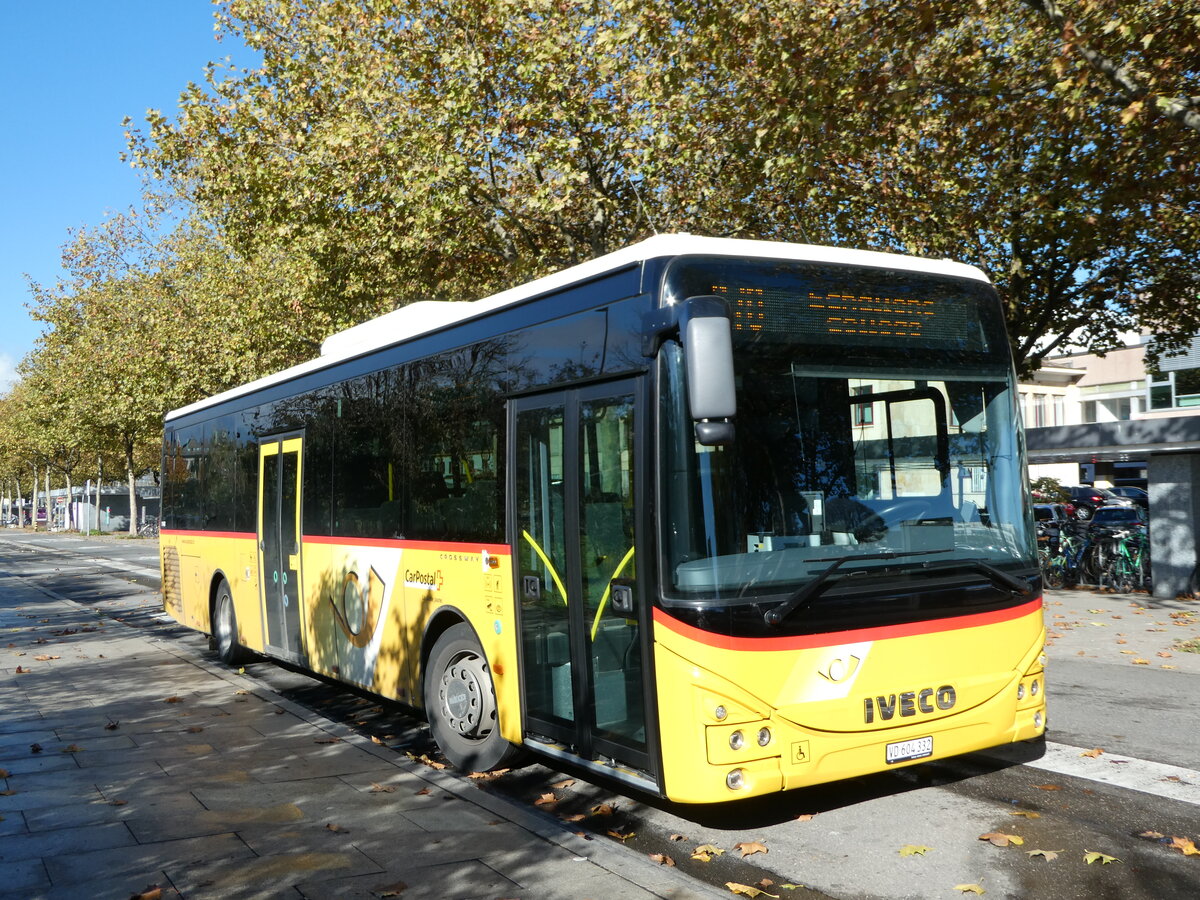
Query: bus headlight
(1033, 688)
(737, 740)
(764, 736)
(735, 780)
(1021, 691)
(720, 712)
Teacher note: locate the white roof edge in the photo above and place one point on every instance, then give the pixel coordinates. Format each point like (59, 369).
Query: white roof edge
(425, 316)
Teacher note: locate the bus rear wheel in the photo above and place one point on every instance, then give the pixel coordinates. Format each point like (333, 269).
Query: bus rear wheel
(225, 630)
(460, 703)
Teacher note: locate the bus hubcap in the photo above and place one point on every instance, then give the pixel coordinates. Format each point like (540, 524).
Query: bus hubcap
(466, 702)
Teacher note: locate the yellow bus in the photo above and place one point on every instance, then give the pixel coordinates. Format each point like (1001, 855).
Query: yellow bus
(711, 517)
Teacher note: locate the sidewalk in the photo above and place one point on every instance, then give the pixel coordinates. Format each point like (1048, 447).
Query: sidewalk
(1124, 629)
(128, 763)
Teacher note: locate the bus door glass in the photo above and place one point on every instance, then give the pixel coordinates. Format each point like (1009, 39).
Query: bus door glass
(279, 544)
(583, 638)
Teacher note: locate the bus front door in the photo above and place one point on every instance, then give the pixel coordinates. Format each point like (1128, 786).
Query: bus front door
(279, 545)
(583, 627)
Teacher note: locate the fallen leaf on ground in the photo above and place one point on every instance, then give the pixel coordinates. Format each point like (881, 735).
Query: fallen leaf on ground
(1048, 787)
(1048, 855)
(336, 829)
(173, 700)
(577, 817)
(706, 852)
(377, 788)
(1091, 856)
(1002, 840)
(749, 848)
(677, 837)
(545, 800)
(1098, 751)
(35, 748)
(602, 809)
(806, 817)
(1026, 814)
(150, 892)
(1153, 835)
(914, 850)
(662, 859)
(613, 833)
(72, 748)
(970, 888)
(563, 784)
(1187, 846)
(747, 891)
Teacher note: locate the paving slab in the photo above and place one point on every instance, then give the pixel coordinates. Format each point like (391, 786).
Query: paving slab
(159, 767)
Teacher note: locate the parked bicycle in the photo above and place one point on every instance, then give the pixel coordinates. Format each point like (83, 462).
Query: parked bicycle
(1129, 568)
(149, 528)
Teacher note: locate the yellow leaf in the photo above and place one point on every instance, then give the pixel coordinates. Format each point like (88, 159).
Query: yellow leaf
(1091, 856)
(1026, 814)
(914, 850)
(1187, 846)
(619, 836)
(749, 848)
(747, 891)
(970, 888)
(1093, 753)
(662, 859)
(710, 848)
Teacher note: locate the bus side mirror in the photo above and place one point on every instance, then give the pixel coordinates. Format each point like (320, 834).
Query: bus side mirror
(706, 334)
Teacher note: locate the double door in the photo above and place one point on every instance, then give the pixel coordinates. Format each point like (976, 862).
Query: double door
(584, 625)
(279, 463)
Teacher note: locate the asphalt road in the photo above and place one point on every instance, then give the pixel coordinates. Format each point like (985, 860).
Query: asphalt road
(1119, 767)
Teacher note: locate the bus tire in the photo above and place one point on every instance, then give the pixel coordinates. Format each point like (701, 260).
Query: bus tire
(225, 630)
(460, 703)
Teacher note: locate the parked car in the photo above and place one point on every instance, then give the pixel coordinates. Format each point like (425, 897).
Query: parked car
(1120, 517)
(1088, 499)
(1136, 494)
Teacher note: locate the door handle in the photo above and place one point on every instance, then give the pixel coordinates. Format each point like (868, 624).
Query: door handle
(531, 587)
(622, 599)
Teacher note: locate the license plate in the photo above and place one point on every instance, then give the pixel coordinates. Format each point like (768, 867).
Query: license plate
(903, 751)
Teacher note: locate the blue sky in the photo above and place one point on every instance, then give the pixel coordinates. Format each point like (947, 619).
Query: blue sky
(75, 69)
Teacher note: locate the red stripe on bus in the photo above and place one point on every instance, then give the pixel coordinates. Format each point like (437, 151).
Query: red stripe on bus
(401, 544)
(180, 532)
(834, 638)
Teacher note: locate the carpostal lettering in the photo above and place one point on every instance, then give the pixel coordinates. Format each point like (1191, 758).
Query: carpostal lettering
(909, 703)
(431, 581)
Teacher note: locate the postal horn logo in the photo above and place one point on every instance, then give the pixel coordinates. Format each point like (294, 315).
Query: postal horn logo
(357, 609)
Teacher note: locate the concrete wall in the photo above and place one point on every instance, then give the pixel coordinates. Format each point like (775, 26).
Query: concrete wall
(1174, 513)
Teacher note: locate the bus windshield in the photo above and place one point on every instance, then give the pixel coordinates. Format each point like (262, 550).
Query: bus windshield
(866, 436)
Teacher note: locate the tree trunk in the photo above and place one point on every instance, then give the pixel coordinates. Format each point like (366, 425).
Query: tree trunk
(131, 476)
(33, 506)
(49, 505)
(69, 514)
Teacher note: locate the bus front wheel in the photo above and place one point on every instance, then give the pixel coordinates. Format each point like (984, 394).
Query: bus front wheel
(460, 703)
(225, 630)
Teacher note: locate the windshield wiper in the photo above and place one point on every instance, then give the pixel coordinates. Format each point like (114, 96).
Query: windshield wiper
(998, 576)
(804, 595)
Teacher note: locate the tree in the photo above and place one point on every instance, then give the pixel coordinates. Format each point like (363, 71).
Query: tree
(396, 151)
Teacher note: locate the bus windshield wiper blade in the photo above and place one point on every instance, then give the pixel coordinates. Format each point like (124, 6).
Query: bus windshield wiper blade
(998, 576)
(804, 595)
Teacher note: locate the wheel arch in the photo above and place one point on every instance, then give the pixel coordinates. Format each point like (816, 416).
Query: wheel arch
(443, 619)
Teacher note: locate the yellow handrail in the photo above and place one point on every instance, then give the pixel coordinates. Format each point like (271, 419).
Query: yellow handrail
(608, 590)
(549, 565)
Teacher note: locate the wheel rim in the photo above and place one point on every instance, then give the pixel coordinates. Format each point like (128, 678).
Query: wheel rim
(465, 697)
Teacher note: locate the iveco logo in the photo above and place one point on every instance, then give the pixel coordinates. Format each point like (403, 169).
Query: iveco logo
(909, 703)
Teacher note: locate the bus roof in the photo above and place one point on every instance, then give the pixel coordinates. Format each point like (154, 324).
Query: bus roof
(425, 316)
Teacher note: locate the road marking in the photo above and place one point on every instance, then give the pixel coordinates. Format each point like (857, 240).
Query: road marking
(1159, 779)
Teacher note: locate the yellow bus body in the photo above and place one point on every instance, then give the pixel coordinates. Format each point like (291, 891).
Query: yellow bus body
(824, 707)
